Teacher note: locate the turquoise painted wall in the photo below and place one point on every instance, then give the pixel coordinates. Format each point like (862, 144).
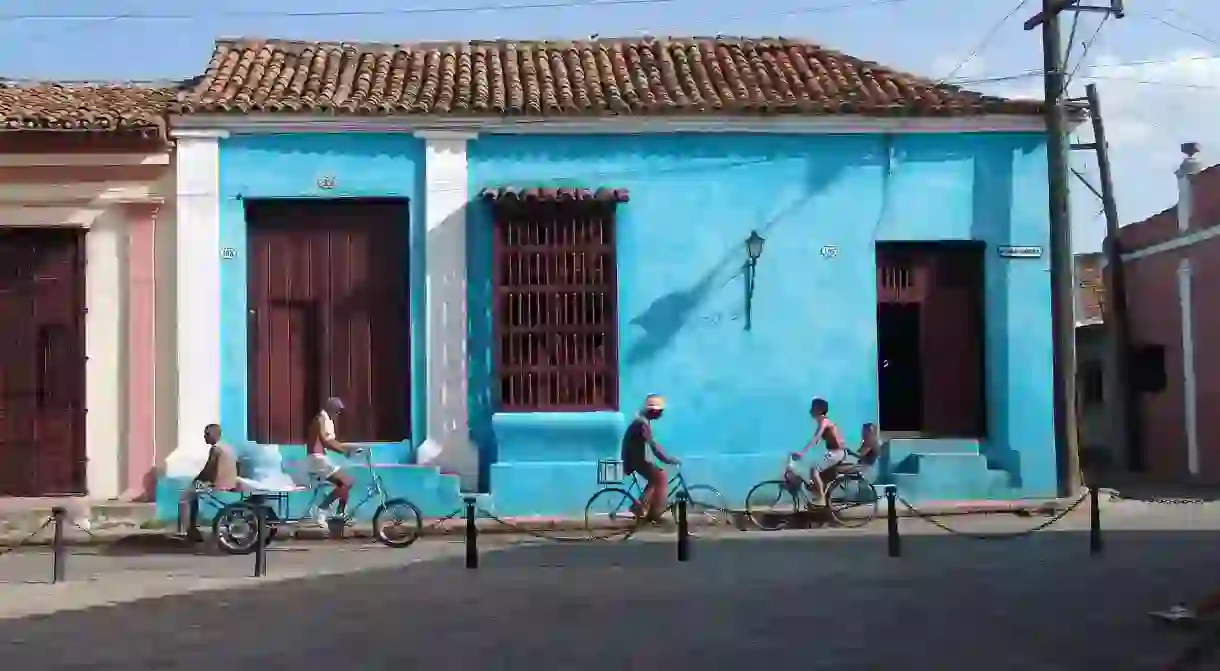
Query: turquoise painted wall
(738, 399)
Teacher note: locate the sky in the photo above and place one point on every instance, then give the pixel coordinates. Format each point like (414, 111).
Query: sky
(1157, 70)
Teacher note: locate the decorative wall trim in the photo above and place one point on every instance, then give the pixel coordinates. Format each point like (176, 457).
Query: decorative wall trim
(86, 193)
(446, 194)
(140, 452)
(292, 123)
(1180, 242)
(197, 255)
(104, 374)
(81, 160)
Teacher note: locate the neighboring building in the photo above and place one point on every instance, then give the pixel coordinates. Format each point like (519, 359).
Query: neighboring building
(85, 190)
(494, 250)
(1170, 261)
(1091, 342)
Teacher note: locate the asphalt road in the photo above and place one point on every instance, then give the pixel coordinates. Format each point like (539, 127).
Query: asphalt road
(790, 600)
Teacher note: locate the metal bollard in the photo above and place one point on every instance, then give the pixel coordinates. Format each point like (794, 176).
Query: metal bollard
(472, 536)
(260, 550)
(683, 529)
(59, 553)
(1095, 544)
(893, 540)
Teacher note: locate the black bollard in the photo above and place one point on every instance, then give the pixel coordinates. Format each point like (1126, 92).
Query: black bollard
(1094, 521)
(59, 553)
(683, 530)
(260, 550)
(472, 536)
(893, 540)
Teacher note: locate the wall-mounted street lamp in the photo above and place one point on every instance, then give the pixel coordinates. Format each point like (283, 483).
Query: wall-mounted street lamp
(754, 249)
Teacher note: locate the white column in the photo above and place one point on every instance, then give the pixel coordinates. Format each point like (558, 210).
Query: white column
(105, 386)
(197, 276)
(446, 195)
(1189, 389)
(1190, 167)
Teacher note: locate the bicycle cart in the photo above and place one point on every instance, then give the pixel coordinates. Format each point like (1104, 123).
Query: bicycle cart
(617, 500)
(851, 499)
(235, 526)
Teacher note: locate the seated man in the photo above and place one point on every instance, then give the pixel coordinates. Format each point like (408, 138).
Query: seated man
(219, 473)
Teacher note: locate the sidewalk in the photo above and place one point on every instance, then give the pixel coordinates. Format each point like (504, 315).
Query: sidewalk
(132, 525)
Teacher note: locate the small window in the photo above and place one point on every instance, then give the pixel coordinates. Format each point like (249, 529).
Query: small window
(1148, 369)
(1092, 383)
(556, 327)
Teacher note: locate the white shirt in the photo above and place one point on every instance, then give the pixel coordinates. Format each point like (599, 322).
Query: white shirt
(326, 431)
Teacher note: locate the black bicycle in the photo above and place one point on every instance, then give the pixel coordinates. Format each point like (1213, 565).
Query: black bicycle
(617, 502)
(851, 500)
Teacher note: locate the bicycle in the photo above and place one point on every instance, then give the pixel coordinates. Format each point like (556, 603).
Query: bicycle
(767, 502)
(235, 526)
(617, 499)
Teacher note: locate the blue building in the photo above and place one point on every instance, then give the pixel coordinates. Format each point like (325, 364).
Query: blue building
(493, 251)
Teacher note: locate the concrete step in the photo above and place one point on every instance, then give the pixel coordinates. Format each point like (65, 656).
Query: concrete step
(947, 477)
(27, 515)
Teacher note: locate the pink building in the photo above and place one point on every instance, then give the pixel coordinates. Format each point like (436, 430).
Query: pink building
(1172, 264)
(84, 177)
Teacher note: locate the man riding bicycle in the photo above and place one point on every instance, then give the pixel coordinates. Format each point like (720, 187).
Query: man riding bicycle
(825, 431)
(637, 440)
(320, 441)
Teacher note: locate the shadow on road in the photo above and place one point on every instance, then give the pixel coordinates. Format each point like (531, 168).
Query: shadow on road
(826, 602)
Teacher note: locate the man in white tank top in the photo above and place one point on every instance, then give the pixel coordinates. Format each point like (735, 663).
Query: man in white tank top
(320, 439)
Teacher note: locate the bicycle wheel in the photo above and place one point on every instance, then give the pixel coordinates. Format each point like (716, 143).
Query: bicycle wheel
(771, 504)
(852, 501)
(397, 523)
(235, 528)
(609, 507)
(708, 506)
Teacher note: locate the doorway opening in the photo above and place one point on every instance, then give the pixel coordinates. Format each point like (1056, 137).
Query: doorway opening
(930, 339)
(900, 372)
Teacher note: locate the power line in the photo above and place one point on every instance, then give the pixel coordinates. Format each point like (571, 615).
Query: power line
(1084, 51)
(982, 44)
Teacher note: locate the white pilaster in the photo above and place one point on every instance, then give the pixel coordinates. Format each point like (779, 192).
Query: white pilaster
(105, 386)
(1185, 173)
(1189, 387)
(197, 275)
(446, 194)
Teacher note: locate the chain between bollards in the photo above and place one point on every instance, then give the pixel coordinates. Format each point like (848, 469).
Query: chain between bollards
(59, 554)
(472, 535)
(893, 540)
(260, 550)
(683, 529)
(1095, 544)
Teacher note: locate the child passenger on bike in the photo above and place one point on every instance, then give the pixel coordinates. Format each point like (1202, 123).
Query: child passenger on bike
(637, 440)
(828, 432)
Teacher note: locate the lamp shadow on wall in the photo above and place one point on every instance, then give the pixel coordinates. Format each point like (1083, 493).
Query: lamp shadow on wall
(665, 317)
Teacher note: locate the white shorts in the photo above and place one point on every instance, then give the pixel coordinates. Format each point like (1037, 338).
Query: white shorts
(320, 466)
(829, 460)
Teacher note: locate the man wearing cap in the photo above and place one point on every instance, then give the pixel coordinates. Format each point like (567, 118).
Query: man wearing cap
(321, 437)
(636, 442)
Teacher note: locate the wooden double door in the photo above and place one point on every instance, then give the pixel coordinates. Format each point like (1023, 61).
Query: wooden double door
(328, 316)
(42, 362)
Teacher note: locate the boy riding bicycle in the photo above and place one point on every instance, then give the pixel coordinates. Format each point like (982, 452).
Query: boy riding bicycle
(828, 432)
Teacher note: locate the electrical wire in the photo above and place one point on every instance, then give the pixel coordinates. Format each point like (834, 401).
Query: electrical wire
(983, 43)
(1084, 51)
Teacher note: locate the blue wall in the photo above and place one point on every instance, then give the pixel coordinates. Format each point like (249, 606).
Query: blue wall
(290, 166)
(738, 399)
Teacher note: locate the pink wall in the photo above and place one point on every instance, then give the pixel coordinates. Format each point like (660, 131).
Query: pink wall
(141, 352)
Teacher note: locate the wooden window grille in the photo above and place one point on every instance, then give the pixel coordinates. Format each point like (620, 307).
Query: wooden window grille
(556, 307)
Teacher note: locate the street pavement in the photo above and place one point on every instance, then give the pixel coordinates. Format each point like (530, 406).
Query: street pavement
(823, 599)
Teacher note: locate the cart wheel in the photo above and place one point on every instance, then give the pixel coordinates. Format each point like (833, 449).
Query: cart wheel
(235, 528)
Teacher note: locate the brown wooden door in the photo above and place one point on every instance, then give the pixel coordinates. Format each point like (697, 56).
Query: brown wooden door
(952, 337)
(42, 362)
(328, 317)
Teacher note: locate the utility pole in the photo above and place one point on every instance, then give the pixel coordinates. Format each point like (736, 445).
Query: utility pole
(1063, 284)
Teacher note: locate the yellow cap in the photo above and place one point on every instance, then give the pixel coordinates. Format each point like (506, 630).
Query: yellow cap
(654, 402)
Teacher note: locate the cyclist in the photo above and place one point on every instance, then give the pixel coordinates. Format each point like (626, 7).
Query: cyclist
(828, 432)
(322, 439)
(637, 440)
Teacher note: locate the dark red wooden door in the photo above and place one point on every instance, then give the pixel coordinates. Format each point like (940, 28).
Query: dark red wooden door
(952, 343)
(327, 292)
(42, 362)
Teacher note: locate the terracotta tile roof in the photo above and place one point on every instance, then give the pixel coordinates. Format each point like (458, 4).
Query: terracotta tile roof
(513, 194)
(95, 108)
(722, 76)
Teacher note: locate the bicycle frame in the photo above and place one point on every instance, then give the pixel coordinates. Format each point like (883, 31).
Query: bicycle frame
(281, 513)
(637, 490)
